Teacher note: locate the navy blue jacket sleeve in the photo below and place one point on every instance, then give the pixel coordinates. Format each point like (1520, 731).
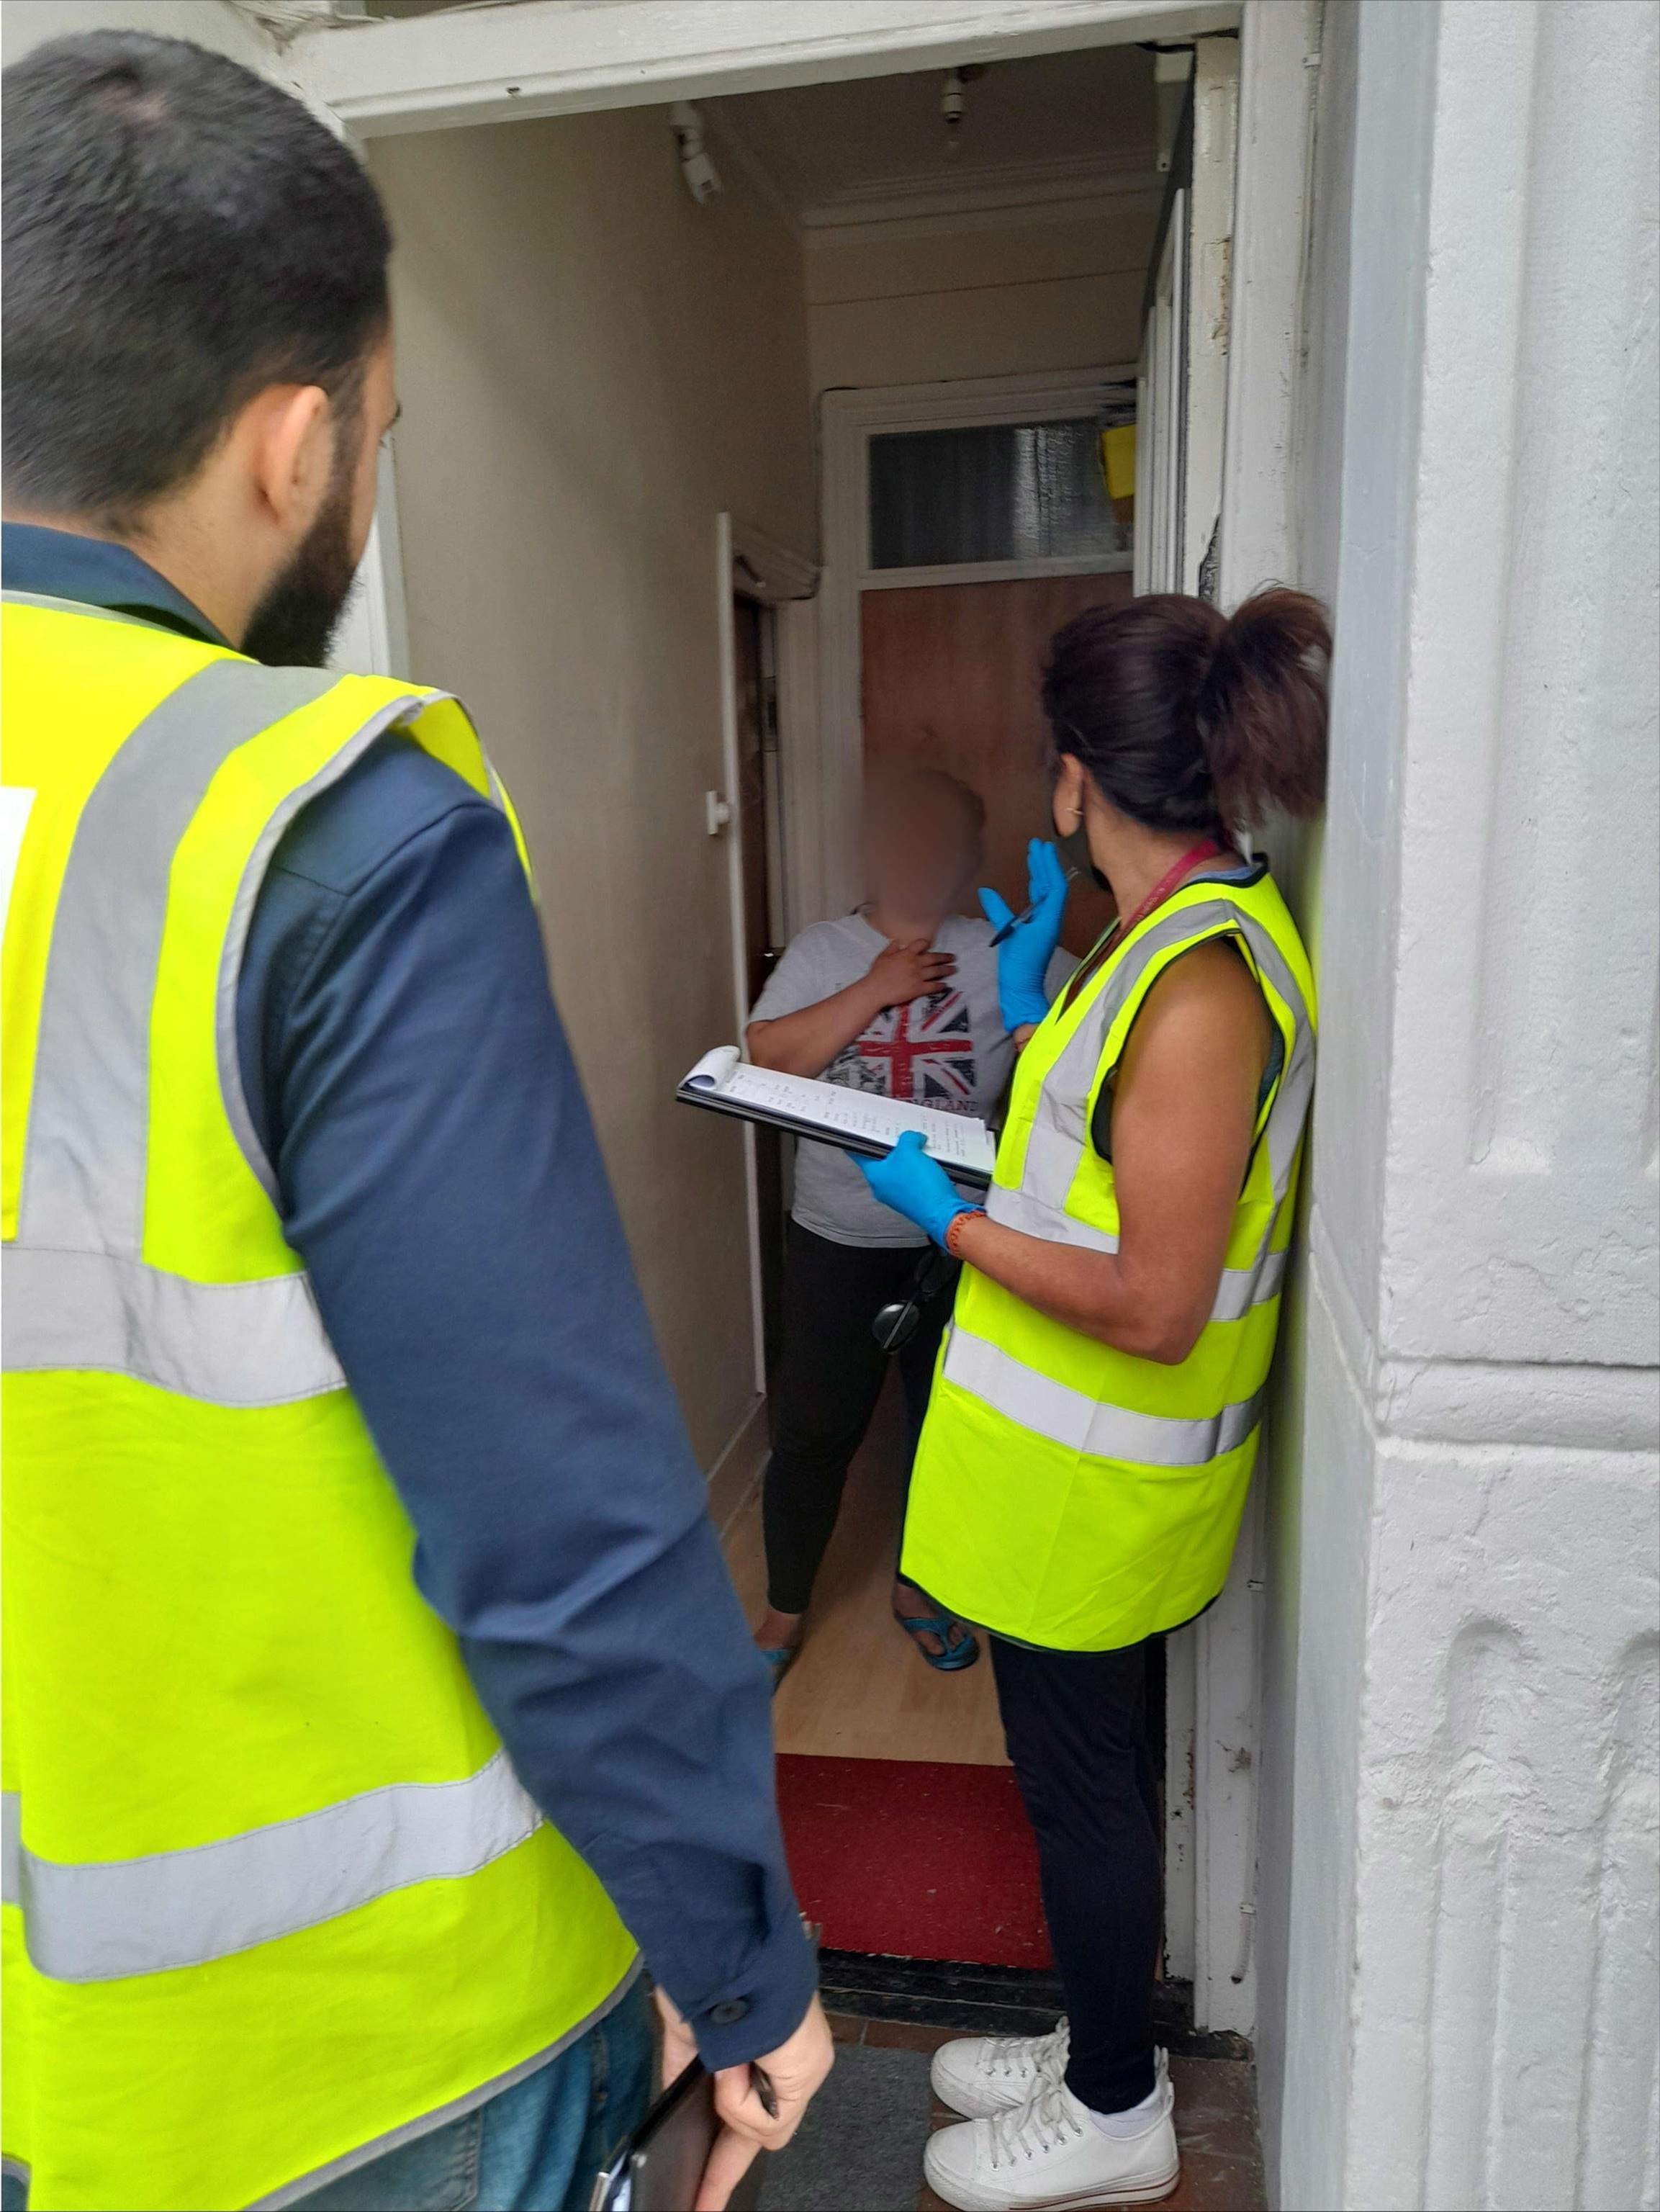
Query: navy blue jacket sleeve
(438, 1173)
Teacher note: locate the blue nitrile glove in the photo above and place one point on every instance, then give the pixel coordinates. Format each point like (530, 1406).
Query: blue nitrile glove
(1024, 956)
(917, 1187)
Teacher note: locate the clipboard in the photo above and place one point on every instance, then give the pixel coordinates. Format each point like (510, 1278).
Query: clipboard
(834, 1114)
(658, 2168)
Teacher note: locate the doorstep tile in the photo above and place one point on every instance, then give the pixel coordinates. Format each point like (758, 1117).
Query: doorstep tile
(1209, 2184)
(1216, 2129)
(1216, 2107)
(907, 2035)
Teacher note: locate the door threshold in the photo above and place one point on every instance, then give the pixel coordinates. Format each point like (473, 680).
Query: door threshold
(994, 2000)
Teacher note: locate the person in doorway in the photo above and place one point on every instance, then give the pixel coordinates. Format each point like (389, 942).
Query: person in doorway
(899, 998)
(374, 1682)
(1085, 1460)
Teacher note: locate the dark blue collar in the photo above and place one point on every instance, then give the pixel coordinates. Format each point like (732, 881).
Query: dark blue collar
(59, 565)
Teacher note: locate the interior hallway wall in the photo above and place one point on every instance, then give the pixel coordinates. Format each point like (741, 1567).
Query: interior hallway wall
(592, 367)
(917, 303)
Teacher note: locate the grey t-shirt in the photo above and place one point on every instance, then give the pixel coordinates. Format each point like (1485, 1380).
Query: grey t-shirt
(950, 1051)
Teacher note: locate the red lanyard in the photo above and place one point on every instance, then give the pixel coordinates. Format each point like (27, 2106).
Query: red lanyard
(1206, 849)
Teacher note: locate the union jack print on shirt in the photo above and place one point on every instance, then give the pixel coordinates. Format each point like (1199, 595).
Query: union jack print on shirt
(921, 1052)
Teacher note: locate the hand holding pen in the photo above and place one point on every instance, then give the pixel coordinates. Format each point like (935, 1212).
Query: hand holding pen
(1025, 942)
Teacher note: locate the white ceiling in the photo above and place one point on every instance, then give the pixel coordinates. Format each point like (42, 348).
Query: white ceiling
(1051, 128)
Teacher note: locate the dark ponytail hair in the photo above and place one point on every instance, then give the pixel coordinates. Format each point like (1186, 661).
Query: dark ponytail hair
(1187, 719)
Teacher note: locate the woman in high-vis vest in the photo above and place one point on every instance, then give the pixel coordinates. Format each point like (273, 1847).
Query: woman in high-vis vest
(1083, 1471)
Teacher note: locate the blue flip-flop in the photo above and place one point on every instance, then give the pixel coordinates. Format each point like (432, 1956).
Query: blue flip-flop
(951, 1658)
(780, 1657)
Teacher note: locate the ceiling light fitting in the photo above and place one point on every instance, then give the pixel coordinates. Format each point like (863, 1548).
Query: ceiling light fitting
(702, 177)
(952, 105)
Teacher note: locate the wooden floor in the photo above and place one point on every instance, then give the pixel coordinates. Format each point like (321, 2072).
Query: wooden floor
(860, 1689)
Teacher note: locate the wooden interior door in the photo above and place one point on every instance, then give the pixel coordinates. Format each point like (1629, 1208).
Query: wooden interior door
(951, 679)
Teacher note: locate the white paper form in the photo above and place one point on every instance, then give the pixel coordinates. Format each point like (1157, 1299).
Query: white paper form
(955, 1140)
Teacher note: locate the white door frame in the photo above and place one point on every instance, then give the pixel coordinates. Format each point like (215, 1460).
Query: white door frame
(552, 57)
(849, 421)
(1215, 95)
(748, 562)
(545, 58)
(373, 636)
(1161, 413)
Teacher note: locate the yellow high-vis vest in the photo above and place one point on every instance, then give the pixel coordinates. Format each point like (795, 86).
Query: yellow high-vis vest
(274, 1898)
(1067, 1494)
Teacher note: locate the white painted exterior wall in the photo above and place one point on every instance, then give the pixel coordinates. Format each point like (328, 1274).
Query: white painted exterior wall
(1459, 1900)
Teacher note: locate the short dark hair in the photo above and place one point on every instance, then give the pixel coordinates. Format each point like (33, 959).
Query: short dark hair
(1189, 719)
(179, 234)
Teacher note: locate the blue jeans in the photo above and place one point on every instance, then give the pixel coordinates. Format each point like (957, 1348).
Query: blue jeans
(535, 2148)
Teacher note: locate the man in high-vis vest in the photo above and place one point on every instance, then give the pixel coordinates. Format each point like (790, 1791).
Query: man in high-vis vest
(374, 1685)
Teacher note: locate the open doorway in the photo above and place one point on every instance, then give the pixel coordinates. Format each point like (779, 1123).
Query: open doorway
(598, 363)
(967, 512)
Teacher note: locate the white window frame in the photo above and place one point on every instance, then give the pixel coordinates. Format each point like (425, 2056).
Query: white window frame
(547, 57)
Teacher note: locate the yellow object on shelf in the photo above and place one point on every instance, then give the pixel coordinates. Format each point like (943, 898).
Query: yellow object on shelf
(1118, 461)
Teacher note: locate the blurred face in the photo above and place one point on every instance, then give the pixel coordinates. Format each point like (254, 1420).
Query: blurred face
(922, 850)
(295, 621)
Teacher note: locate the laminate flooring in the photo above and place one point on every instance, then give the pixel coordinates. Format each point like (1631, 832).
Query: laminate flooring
(861, 1689)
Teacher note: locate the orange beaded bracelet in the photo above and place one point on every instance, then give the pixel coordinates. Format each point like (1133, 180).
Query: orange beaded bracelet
(967, 1213)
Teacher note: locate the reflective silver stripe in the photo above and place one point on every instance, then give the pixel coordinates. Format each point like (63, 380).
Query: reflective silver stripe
(1059, 1132)
(11, 1850)
(296, 2192)
(77, 607)
(80, 1298)
(1019, 1209)
(105, 1921)
(1242, 1288)
(83, 1172)
(261, 1343)
(1083, 1424)
(1238, 1290)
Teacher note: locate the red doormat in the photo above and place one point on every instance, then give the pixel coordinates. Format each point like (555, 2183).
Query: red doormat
(914, 1859)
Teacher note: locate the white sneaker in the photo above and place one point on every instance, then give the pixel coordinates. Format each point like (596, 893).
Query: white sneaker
(1050, 2153)
(981, 2074)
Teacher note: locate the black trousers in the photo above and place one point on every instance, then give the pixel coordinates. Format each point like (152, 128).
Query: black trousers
(1075, 1725)
(830, 1375)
